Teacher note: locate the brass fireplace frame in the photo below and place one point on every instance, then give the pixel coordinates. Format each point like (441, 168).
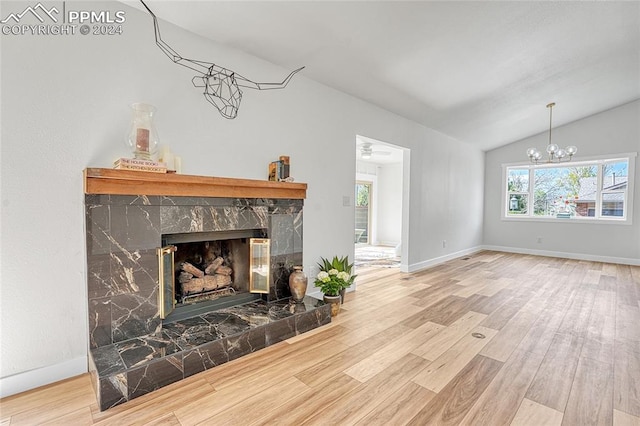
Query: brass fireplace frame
(166, 290)
(259, 265)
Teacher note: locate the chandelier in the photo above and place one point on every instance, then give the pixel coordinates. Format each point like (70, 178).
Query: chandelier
(555, 153)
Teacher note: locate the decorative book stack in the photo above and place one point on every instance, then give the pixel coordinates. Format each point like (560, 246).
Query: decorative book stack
(140, 165)
(279, 170)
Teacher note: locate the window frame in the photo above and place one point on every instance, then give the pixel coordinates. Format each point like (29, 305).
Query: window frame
(598, 161)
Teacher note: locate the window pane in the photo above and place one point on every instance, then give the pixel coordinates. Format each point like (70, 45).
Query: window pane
(615, 176)
(517, 204)
(518, 180)
(362, 194)
(561, 190)
(584, 181)
(549, 187)
(613, 204)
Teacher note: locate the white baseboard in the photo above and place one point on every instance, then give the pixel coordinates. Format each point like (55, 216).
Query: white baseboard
(32, 379)
(436, 261)
(577, 256)
(565, 255)
(387, 243)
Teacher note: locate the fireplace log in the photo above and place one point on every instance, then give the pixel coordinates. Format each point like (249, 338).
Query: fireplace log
(187, 267)
(184, 277)
(222, 280)
(197, 285)
(217, 262)
(224, 270)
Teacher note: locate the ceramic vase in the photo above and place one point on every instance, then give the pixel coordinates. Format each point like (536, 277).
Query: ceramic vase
(298, 284)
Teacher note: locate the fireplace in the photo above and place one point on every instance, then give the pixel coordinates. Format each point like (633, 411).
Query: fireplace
(204, 271)
(124, 233)
(233, 244)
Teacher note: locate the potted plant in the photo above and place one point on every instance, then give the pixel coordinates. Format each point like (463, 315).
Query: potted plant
(339, 266)
(333, 279)
(330, 286)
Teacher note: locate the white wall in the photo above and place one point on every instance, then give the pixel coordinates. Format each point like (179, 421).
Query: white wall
(389, 204)
(64, 107)
(447, 191)
(611, 132)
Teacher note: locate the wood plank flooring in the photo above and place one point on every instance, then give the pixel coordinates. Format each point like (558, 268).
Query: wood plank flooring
(561, 346)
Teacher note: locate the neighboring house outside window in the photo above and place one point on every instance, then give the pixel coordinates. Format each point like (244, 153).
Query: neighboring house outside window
(598, 190)
(613, 205)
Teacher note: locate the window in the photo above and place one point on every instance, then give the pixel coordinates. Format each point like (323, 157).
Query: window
(587, 190)
(363, 212)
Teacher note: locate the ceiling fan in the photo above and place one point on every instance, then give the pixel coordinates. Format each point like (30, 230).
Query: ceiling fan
(366, 151)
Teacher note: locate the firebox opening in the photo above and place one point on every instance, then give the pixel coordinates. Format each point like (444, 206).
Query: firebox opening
(210, 270)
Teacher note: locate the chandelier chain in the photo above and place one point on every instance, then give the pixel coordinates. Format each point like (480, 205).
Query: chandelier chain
(550, 106)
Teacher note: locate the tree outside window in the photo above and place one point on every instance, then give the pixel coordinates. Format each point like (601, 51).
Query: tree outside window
(362, 194)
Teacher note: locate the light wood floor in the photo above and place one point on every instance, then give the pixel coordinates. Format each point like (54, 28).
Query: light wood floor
(561, 346)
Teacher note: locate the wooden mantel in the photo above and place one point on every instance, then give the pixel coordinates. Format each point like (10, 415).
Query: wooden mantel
(127, 182)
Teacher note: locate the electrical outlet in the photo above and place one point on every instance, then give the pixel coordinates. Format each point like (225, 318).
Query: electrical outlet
(444, 243)
(539, 240)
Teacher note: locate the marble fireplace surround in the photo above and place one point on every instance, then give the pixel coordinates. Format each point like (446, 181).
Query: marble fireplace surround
(131, 351)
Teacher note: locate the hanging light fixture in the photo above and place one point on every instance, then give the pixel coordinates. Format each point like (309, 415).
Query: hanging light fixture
(555, 153)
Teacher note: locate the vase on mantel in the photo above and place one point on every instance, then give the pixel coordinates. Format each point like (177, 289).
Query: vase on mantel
(142, 137)
(298, 284)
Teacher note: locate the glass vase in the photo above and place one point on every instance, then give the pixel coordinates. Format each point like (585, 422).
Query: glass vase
(142, 137)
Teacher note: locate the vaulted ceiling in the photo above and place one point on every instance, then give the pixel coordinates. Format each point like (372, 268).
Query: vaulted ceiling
(479, 71)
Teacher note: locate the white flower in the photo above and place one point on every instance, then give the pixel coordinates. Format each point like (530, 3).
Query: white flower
(343, 276)
(333, 272)
(322, 275)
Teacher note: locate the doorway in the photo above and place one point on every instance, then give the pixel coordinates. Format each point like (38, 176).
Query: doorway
(381, 201)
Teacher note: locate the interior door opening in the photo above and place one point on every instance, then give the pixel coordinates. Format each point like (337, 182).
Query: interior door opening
(381, 203)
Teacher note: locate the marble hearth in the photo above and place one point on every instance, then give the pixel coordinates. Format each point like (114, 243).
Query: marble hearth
(132, 368)
(128, 214)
